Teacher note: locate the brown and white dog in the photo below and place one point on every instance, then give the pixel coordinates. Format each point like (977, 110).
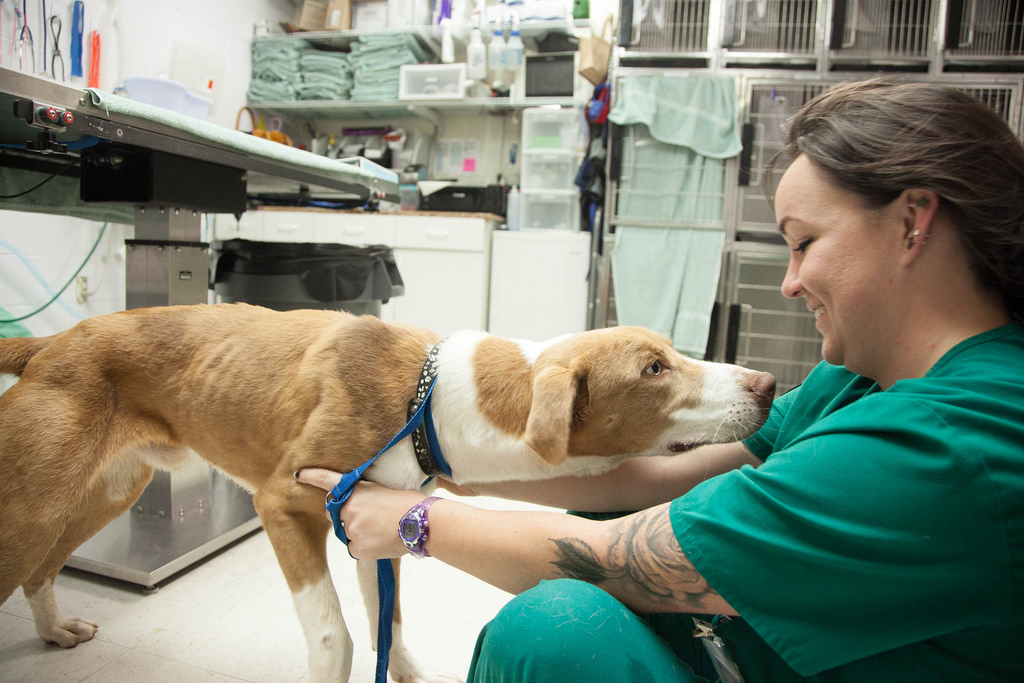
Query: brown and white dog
(260, 394)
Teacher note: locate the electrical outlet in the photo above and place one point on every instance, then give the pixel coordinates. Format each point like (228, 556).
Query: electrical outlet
(81, 289)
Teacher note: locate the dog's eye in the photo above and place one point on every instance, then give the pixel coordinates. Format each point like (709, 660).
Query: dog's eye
(653, 369)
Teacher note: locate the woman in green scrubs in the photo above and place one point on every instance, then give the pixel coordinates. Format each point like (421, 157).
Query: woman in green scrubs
(873, 529)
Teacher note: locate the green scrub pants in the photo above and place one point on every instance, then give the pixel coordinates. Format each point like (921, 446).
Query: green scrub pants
(566, 631)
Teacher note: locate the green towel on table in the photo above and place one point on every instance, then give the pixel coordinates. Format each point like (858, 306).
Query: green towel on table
(10, 330)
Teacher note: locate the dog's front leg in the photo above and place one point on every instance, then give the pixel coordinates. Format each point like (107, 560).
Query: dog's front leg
(327, 636)
(299, 540)
(401, 664)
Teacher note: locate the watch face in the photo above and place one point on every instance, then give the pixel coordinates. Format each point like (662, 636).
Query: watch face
(410, 530)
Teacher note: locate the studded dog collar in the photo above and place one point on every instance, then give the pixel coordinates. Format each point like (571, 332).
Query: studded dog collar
(424, 441)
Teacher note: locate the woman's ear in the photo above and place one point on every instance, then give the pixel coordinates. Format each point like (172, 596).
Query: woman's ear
(919, 207)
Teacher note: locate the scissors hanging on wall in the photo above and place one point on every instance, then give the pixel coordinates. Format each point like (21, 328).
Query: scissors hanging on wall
(25, 37)
(57, 59)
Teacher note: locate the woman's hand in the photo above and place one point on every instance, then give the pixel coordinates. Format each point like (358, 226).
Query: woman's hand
(370, 515)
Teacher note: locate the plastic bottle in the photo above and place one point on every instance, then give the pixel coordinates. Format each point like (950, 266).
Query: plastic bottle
(476, 56)
(496, 51)
(514, 49)
(512, 208)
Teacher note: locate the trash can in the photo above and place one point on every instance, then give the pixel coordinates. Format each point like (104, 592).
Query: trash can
(285, 276)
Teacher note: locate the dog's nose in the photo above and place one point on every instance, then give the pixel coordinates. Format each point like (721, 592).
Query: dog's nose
(762, 386)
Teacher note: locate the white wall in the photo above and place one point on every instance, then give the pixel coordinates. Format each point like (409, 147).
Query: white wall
(34, 246)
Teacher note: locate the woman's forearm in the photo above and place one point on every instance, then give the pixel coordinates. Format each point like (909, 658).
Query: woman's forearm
(636, 559)
(636, 484)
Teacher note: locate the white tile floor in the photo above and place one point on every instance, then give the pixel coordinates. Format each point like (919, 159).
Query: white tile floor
(231, 618)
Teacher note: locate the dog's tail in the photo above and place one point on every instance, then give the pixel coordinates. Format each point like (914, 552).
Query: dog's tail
(16, 352)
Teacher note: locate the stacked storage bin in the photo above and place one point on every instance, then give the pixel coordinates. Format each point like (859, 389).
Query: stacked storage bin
(550, 154)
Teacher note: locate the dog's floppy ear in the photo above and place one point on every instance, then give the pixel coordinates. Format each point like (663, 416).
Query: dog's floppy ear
(551, 412)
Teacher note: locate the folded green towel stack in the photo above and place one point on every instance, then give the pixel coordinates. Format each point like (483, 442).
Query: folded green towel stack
(275, 70)
(290, 70)
(376, 60)
(324, 75)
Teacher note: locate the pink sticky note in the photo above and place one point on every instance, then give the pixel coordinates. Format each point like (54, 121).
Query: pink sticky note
(469, 164)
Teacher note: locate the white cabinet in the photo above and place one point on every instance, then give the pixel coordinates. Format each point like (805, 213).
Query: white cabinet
(539, 283)
(354, 228)
(444, 261)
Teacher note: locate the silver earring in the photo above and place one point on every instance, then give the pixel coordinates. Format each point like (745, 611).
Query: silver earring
(910, 242)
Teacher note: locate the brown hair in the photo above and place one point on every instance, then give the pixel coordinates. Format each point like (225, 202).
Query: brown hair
(877, 138)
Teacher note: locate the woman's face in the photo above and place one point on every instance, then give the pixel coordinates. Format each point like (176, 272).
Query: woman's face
(842, 262)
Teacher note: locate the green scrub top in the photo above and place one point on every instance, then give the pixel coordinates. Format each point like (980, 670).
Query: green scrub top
(883, 537)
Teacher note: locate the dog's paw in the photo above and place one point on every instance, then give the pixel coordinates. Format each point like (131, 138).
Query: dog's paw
(69, 631)
(404, 669)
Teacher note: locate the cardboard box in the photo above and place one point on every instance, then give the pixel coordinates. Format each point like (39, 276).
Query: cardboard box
(339, 15)
(313, 15)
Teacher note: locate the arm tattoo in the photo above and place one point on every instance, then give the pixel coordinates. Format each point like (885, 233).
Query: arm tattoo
(645, 556)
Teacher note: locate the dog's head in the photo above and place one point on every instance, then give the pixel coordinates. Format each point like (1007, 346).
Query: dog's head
(625, 390)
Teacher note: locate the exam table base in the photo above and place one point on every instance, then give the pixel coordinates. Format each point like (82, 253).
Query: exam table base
(187, 514)
(146, 549)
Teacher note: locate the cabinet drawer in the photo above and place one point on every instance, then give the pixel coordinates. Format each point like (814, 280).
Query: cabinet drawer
(553, 210)
(288, 226)
(447, 234)
(248, 227)
(551, 128)
(354, 228)
(551, 170)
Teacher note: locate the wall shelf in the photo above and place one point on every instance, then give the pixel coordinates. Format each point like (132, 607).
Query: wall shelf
(390, 109)
(429, 36)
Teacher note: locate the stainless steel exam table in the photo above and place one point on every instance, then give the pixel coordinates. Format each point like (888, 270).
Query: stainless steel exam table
(107, 158)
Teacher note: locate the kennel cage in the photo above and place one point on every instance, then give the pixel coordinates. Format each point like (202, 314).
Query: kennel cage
(767, 31)
(979, 31)
(663, 186)
(768, 103)
(923, 36)
(759, 328)
(660, 28)
(883, 31)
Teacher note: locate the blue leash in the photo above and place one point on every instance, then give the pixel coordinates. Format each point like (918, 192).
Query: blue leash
(385, 572)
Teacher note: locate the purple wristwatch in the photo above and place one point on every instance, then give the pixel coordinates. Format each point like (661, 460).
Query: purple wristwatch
(414, 527)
